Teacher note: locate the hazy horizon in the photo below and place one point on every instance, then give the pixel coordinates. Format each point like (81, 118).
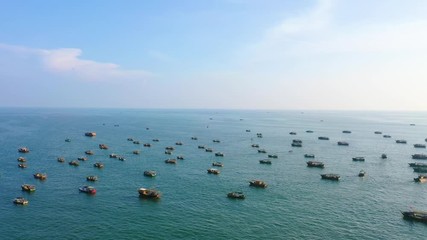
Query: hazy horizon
(304, 55)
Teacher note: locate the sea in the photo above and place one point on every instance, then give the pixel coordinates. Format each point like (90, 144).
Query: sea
(297, 204)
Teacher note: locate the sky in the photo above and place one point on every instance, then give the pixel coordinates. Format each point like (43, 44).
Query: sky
(216, 54)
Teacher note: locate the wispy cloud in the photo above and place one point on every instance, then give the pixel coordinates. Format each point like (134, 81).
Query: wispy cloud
(68, 62)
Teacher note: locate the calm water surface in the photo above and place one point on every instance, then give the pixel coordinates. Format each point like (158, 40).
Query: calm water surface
(296, 205)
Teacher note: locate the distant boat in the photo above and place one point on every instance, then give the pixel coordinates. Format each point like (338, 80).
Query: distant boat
(136, 152)
(362, 173)
(342, 143)
(92, 178)
(40, 176)
(217, 164)
(416, 215)
(401, 141)
(419, 156)
(208, 150)
(331, 176)
(98, 165)
(178, 143)
(22, 165)
(21, 159)
(67, 140)
(87, 189)
(415, 164)
(216, 141)
(315, 164)
(236, 195)
(23, 150)
(378, 132)
(103, 146)
(90, 134)
(180, 157)
(255, 145)
(258, 183)
(219, 154)
(386, 136)
(89, 152)
(419, 145)
(155, 140)
(359, 159)
(383, 156)
(309, 131)
(294, 144)
(201, 147)
(213, 171)
(149, 193)
(265, 161)
(323, 138)
(421, 178)
(147, 145)
(346, 131)
(293, 133)
(272, 156)
(20, 201)
(309, 155)
(150, 173)
(28, 188)
(193, 138)
(262, 151)
(170, 161)
(74, 163)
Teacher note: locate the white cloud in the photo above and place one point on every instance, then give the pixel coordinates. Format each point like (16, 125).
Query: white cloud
(67, 62)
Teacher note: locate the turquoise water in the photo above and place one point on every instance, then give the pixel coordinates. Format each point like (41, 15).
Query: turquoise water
(296, 205)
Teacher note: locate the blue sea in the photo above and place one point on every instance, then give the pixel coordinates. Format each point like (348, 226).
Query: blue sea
(297, 204)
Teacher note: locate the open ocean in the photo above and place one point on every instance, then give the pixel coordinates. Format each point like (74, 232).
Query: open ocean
(297, 204)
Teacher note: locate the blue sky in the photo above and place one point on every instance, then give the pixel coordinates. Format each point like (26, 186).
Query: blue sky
(238, 54)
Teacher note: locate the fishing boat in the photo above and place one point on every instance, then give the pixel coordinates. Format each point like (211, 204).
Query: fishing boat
(180, 157)
(384, 156)
(255, 145)
(415, 215)
(331, 176)
(178, 143)
(170, 148)
(121, 158)
(156, 140)
(20, 201)
(272, 156)
(359, 159)
(259, 135)
(22, 165)
(248, 130)
(236, 195)
(112, 155)
(90, 134)
(343, 143)
(150, 173)
(362, 173)
(136, 152)
(147, 145)
(292, 133)
(419, 169)
(89, 152)
(219, 154)
(92, 178)
(40, 176)
(193, 138)
(258, 183)
(401, 141)
(136, 142)
(297, 141)
(28, 188)
(103, 146)
(21, 159)
(309, 155)
(315, 164)
(168, 152)
(418, 145)
(346, 131)
(216, 141)
(213, 171)
(60, 159)
(87, 189)
(149, 193)
(415, 164)
(419, 156)
(309, 131)
(170, 161)
(82, 158)
(74, 163)
(378, 132)
(265, 161)
(296, 144)
(201, 147)
(386, 136)
(323, 138)
(262, 151)
(130, 139)
(67, 140)
(98, 165)
(421, 178)
(208, 150)
(23, 150)
(217, 164)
